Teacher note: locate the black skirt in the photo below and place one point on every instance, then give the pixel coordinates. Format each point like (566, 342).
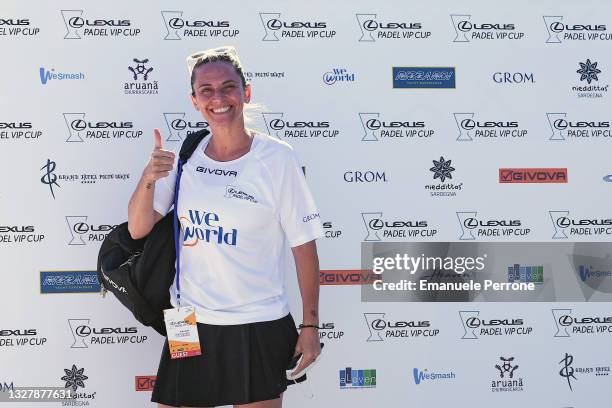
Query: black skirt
(239, 364)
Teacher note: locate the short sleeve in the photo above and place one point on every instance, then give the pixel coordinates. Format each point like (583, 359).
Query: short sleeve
(299, 216)
(163, 195)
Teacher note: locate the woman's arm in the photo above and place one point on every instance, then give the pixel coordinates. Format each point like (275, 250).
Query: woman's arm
(141, 216)
(307, 267)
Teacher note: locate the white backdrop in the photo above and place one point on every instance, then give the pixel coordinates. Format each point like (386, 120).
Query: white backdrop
(94, 177)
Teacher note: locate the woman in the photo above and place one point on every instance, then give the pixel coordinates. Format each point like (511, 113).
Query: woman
(243, 197)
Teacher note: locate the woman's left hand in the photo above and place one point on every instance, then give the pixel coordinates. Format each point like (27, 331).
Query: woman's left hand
(307, 344)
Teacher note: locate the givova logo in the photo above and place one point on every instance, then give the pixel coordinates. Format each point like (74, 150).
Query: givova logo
(179, 27)
(179, 128)
(203, 226)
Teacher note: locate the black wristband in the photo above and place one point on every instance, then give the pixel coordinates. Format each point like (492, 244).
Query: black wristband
(301, 326)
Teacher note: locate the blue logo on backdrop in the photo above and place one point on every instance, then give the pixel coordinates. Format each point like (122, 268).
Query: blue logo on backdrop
(422, 376)
(424, 77)
(47, 75)
(338, 75)
(69, 282)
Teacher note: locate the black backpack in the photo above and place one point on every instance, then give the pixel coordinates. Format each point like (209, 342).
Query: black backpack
(140, 272)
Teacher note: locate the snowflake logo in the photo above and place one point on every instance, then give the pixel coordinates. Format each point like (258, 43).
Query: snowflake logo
(588, 71)
(442, 169)
(74, 378)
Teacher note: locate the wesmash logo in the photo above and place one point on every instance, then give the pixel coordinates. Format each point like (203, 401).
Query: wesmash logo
(588, 273)
(375, 223)
(578, 227)
(466, 30)
(85, 335)
(331, 231)
(20, 337)
(274, 25)
(375, 129)
(82, 231)
(442, 170)
(80, 129)
(239, 193)
(48, 75)
(470, 129)
(140, 84)
(50, 178)
(346, 277)
(469, 223)
(74, 379)
(526, 274)
(371, 26)
(559, 31)
(351, 378)
(475, 326)
(381, 329)
(202, 226)
(423, 77)
(179, 27)
(589, 72)
(422, 376)
(338, 75)
(513, 78)
(569, 371)
(508, 381)
(19, 131)
(78, 26)
(563, 128)
(69, 282)
(533, 175)
(286, 129)
(144, 382)
(17, 27)
(19, 234)
(586, 325)
(179, 128)
(329, 331)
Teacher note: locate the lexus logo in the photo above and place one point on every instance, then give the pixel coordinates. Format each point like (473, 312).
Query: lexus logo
(80, 330)
(375, 325)
(563, 319)
(373, 224)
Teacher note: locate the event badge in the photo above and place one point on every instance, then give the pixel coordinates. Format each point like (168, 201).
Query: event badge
(182, 332)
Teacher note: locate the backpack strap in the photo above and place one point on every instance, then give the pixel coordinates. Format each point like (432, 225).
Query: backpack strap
(191, 142)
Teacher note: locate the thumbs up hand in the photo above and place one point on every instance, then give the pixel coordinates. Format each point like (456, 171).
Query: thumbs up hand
(161, 162)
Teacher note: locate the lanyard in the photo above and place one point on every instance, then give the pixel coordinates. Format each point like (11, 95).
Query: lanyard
(177, 238)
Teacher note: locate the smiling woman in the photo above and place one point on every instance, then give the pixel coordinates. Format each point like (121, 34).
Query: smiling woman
(243, 202)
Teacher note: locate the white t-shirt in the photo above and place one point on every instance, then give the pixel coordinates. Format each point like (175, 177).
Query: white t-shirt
(237, 218)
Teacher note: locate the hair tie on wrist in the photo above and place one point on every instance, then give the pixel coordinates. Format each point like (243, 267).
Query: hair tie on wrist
(301, 326)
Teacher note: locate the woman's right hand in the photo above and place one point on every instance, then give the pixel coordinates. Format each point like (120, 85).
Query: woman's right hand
(161, 161)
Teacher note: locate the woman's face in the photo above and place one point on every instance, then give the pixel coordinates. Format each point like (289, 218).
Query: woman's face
(219, 95)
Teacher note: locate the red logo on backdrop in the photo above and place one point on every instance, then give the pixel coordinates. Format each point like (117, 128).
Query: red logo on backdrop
(145, 382)
(347, 277)
(533, 175)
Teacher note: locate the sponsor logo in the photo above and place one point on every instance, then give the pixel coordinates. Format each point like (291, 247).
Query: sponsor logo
(375, 223)
(338, 75)
(144, 382)
(19, 234)
(469, 223)
(330, 231)
(583, 325)
(587, 272)
(283, 129)
(569, 371)
(48, 75)
(346, 277)
(236, 192)
(508, 381)
(140, 83)
(513, 78)
(351, 378)
(217, 172)
(329, 331)
(424, 77)
(563, 128)
(559, 30)
(81, 231)
(466, 30)
(6, 387)
(533, 175)
(74, 379)
(85, 334)
(179, 27)
(20, 338)
(381, 328)
(608, 178)
(375, 129)
(251, 75)
(589, 73)
(276, 27)
(470, 129)
(69, 282)
(443, 170)
(526, 274)
(17, 27)
(373, 28)
(365, 176)
(475, 326)
(80, 129)
(577, 227)
(79, 25)
(422, 376)
(179, 128)
(203, 226)
(19, 131)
